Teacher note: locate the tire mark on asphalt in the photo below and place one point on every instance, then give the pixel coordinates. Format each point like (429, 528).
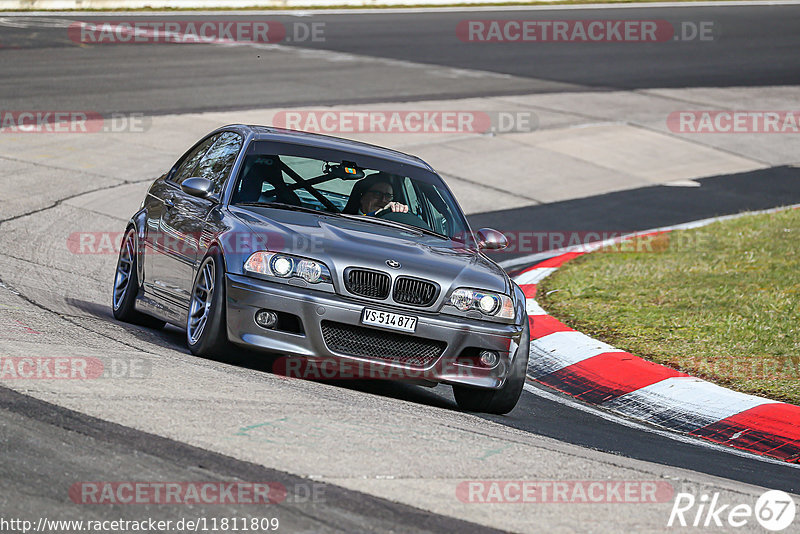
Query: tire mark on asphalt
(70, 320)
(55, 204)
(60, 201)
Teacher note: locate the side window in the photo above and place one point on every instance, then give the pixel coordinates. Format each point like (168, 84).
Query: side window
(411, 194)
(189, 162)
(437, 209)
(217, 163)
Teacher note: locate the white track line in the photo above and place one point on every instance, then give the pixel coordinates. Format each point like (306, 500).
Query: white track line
(534, 276)
(665, 398)
(620, 420)
(533, 308)
(558, 350)
(683, 402)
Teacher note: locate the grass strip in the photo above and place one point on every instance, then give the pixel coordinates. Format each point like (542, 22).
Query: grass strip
(720, 302)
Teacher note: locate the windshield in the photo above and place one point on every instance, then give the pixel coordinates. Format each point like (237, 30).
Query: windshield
(344, 187)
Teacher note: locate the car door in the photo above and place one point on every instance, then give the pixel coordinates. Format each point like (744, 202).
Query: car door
(186, 219)
(161, 239)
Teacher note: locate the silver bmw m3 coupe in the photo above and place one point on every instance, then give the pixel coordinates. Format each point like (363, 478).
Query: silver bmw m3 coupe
(318, 248)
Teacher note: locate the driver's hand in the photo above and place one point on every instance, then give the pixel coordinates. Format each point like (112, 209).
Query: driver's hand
(395, 206)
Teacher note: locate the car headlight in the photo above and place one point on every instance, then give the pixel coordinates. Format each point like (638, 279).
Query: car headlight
(310, 271)
(286, 266)
(282, 265)
(488, 303)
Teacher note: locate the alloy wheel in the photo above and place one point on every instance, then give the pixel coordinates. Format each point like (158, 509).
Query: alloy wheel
(202, 296)
(124, 269)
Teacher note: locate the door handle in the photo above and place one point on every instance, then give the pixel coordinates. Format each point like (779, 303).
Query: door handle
(169, 204)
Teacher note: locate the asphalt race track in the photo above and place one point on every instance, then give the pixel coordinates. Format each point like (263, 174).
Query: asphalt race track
(387, 457)
(756, 47)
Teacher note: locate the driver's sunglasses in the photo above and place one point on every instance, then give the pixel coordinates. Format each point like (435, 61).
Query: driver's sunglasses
(386, 196)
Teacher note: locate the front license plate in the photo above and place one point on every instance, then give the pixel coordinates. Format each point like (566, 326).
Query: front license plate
(395, 321)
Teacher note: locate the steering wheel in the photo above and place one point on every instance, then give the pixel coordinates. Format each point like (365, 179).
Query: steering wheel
(405, 218)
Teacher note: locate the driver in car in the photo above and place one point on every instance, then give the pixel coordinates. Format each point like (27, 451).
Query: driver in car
(377, 196)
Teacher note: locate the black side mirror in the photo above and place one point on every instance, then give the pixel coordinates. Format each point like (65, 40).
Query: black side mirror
(198, 187)
(489, 239)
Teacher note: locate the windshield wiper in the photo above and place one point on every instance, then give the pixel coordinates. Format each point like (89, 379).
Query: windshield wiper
(407, 227)
(291, 207)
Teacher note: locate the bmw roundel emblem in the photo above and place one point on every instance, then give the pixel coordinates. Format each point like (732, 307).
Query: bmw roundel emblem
(393, 264)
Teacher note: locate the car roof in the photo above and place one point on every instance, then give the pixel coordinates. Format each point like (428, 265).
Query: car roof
(270, 133)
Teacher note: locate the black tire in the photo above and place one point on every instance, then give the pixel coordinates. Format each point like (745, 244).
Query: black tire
(210, 339)
(126, 285)
(499, 401)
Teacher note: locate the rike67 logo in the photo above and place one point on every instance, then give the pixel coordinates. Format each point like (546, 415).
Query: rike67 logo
(774, 511)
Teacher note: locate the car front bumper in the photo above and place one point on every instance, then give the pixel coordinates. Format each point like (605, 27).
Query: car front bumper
(246, 295)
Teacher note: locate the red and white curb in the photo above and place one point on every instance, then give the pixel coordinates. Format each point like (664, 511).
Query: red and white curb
(618, 381)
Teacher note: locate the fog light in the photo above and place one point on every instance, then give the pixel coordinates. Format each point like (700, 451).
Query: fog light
(488, 358)
(266, 319)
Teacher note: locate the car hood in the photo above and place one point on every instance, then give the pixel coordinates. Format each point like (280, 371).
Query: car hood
(343, 242)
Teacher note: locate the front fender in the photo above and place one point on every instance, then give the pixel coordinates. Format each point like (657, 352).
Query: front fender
(138, 223)
(235, 240)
